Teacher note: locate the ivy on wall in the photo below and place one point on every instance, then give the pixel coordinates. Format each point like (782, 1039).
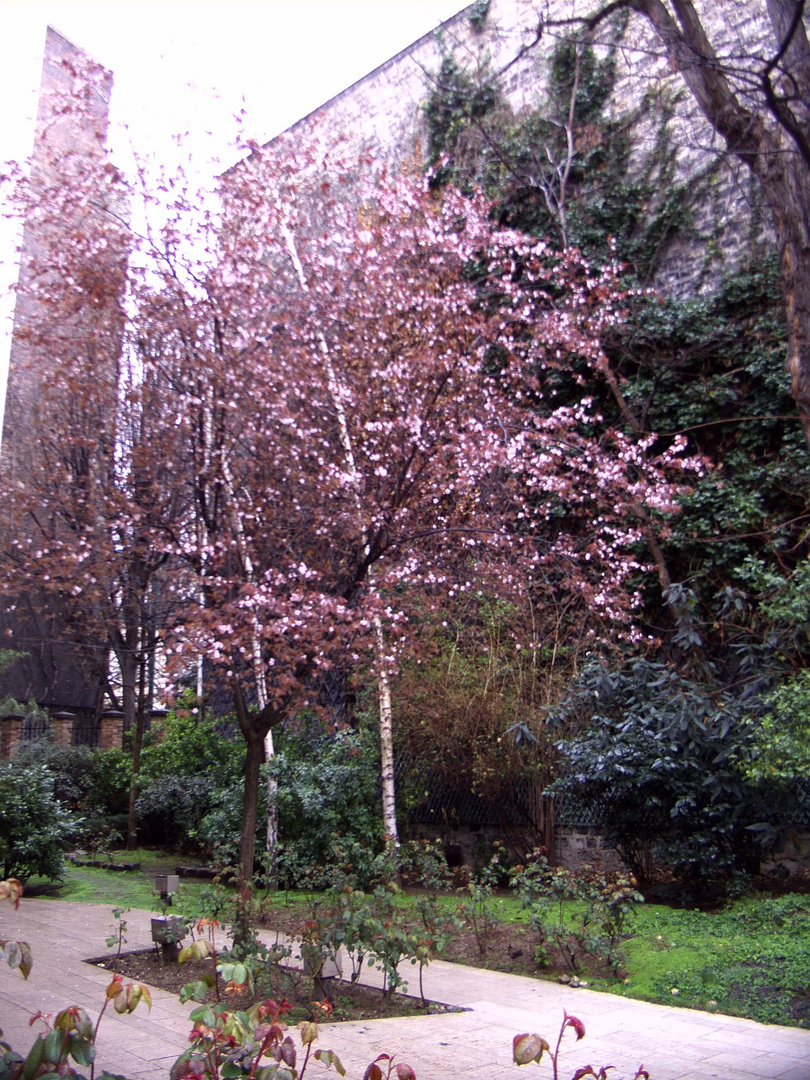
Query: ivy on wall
(708, 365)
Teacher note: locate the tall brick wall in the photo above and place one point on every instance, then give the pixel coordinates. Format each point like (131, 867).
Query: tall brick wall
(69, 145)
(59, 135)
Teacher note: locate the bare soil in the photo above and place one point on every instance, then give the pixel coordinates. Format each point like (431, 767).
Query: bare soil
(348, 1002)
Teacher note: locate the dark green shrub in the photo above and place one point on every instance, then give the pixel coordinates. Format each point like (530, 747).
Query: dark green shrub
(220, 827)
(171, 808)
(658, 768)
(69, 767)
(189, 768)
(34, 825)
(327, 785)
(95, 782)
(110, 778)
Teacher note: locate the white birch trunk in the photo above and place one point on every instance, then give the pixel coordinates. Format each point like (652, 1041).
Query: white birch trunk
(383, 678)
(389, 805)
(271, 840)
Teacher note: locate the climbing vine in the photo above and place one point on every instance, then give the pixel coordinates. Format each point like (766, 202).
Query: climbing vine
(729, 597)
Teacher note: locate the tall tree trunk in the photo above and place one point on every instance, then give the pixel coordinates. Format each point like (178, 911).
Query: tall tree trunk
(255, 728)
(772, 139)
(389, 805)
(271, 843)
(788, 192)
(247, 841)
(253, 762)
(137, 744)
(271, 839)
(127, 663)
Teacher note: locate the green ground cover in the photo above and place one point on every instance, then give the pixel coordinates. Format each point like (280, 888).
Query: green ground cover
(752, 958)
(125, 888)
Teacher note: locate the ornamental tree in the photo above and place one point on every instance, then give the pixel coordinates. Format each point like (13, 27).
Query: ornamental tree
(83, 490)
(356, 376)
(86, 500)
(334, 405)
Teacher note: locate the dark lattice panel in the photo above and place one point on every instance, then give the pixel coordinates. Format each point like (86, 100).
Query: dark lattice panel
(433, 800)
(454, 808)
(573, 812)
(800, 818)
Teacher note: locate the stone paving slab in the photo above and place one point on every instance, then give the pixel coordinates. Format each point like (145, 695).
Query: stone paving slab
(673, 1044)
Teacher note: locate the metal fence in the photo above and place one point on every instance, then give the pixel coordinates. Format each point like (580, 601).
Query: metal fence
(800, 817)
(33, 728)
(520, 813)
(85, 733)
(577, 813)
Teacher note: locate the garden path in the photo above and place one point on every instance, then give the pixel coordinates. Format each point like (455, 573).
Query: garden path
(673, 1044)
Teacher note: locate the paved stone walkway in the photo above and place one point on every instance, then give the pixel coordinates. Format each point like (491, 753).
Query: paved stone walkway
(673, 1044)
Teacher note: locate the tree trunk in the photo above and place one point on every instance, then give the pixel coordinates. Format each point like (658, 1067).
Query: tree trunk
(271, 845)
(389, 806)
(128, 666)
(253, 761)
(255, 728)
(771, 139)
(788, 193)
(137, 743)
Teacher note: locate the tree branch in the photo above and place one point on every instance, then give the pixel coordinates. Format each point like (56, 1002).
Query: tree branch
(778, 105)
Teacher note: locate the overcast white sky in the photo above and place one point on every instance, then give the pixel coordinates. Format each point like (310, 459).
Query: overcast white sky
(190, 65)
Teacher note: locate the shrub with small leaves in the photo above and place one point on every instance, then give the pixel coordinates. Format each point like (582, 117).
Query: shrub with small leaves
(34, 826)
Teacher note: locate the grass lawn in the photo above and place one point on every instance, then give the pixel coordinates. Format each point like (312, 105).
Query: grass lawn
(125, 888)
(751, 958)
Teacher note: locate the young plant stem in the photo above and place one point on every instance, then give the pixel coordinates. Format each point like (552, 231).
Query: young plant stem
(95, 1036)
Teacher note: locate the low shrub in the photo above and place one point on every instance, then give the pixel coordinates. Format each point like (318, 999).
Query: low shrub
(93, 782)
(34, 825)
(174, 807)
(184, 745)
(327, 785)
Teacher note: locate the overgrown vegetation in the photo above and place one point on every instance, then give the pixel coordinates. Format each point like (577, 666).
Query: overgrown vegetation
(725, 580)
(748, 957)
(191, 795)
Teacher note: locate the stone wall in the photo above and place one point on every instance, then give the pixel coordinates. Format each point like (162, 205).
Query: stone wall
(58, 134)
(383, 113)
(793, 858)
(579, 846)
